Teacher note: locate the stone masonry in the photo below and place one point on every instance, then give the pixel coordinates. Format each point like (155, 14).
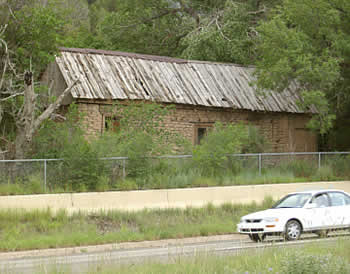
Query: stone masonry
(285, 132)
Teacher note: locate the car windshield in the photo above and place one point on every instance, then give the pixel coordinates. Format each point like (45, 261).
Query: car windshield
(293, 200)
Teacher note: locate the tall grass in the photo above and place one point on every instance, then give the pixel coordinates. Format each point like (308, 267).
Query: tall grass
(21, 230)
(313, 258)
(309, 259)
(320, 258)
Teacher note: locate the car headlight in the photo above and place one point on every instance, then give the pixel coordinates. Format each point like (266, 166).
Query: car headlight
(241, 220)
(270, 219)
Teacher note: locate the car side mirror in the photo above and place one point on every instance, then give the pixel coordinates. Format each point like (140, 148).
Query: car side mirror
(310, 205)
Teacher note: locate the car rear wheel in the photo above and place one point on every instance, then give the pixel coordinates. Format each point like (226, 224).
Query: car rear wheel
(257, 237)
(293, 230)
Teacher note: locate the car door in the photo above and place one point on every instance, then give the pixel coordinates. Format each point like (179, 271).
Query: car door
(340, 208)
(320, 217)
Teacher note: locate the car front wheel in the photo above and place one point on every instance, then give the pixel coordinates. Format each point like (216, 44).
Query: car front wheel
(293, 230)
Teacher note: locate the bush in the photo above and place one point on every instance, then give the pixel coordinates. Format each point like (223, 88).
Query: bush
(81, 166)
(211, 155)
(140, 135)
(127, 184)
(256, 142)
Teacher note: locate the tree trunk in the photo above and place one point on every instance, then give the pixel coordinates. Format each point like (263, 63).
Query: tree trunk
(25, 122)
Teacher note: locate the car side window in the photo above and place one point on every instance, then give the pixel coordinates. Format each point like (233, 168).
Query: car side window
(321, 200)
(347, 199)
(337, 199)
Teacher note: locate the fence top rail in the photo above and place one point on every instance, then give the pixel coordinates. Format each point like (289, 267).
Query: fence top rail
(190, 156)
(30, 160)
(289, 153)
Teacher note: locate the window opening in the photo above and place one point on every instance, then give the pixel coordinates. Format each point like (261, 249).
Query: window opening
(201, 132)
(112, 123)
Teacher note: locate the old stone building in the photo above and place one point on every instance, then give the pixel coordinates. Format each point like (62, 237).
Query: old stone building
(202, 92)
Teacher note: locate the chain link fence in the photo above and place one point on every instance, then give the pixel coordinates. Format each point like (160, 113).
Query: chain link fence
(49, 174)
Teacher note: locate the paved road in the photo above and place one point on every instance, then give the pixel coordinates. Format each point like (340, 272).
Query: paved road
(85, 259)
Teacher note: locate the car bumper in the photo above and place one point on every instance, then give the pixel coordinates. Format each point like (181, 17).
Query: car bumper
(263, 227)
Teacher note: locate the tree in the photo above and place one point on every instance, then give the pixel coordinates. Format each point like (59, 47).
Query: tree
(308, 41)
(28, 40)
(222, 30)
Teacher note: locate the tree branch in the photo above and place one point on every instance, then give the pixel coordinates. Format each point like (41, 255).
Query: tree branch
(12, 96)
(147, 20)
(263, 10)
(52, 107)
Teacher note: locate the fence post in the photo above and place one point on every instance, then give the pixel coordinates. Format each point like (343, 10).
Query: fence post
(319, 160)
(45, 169)
(259, 164)
(124, 164)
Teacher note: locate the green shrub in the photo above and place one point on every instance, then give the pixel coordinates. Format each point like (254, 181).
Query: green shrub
(103, 183)
(141, 134)
(204, 182)
(11, 189)
(81, 166)
(127, 184)
(211, 155)
(35, 184)
(256, 142)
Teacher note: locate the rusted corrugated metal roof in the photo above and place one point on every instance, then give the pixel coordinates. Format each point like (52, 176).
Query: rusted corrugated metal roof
(119, 75)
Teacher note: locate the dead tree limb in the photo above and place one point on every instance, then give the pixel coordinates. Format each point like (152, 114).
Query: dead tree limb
(54, 106)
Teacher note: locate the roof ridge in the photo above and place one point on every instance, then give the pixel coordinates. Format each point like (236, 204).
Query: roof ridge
(150, 57)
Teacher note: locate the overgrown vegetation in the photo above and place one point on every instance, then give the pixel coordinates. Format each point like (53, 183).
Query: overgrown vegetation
(318, 258)
(21, 230)
(287, 40)
(138, 134)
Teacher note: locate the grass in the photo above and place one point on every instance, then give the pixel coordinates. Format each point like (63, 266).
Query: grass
(320, 258)
(24, 230)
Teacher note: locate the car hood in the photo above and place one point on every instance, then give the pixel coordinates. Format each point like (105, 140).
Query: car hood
(278, 212)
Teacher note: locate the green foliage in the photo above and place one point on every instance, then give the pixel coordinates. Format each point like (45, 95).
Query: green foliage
(53, 136)
(127, 184)
(300, 263)
(225, 35)
(39, 229)
(81, 168)
(140, 26)
(255, 142)
(339, 164)
(300, 168)
(221, 30)
(140, 135)
(33, 33)
(211, 155)
(308, 42)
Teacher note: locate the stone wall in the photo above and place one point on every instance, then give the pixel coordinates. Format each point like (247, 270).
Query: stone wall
(94, 120)
(285, 132)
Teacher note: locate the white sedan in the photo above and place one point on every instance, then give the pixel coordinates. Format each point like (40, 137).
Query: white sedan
(308, 211)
